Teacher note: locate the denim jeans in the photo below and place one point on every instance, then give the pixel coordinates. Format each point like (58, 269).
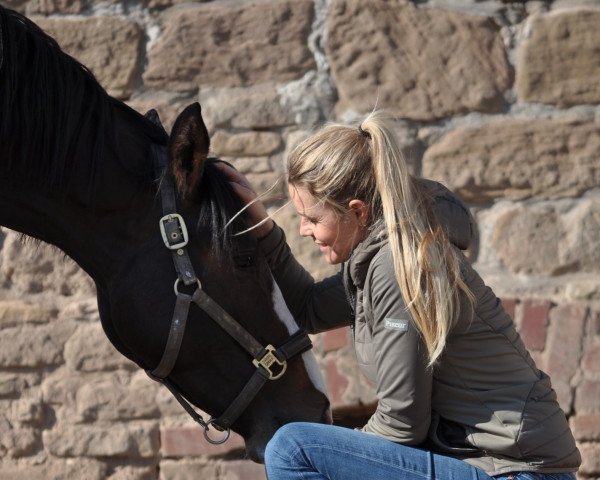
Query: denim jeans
(311, 451)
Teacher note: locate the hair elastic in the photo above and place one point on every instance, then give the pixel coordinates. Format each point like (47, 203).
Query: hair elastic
(363, 132)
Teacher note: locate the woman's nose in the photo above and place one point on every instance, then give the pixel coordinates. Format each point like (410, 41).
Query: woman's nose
(305, 228)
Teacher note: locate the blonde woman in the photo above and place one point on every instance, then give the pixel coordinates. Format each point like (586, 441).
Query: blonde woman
(459, 396)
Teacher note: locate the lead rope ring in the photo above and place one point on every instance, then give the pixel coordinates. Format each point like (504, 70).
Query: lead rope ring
(210, 440)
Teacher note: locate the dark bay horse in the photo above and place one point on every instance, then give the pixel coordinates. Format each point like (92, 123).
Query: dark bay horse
(76, 171)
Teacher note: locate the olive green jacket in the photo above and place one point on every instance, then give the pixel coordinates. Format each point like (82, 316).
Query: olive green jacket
(484, 401)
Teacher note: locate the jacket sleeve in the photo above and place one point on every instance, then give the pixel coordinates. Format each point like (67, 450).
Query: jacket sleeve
(404, 382)
(316, 306)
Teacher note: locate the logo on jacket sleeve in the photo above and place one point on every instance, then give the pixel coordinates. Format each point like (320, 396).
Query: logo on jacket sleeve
(395, 324)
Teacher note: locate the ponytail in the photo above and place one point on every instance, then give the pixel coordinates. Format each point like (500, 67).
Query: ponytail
(425, 263)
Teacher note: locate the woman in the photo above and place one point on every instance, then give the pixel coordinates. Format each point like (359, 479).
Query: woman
(459, 396)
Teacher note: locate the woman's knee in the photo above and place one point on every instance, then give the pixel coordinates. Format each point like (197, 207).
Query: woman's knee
(283, 442)
(287, 441)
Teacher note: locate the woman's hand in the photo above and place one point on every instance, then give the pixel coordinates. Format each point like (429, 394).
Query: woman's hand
(256, 211)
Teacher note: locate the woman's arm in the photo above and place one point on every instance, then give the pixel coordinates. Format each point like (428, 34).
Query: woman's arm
(403, 380)
(316, 306)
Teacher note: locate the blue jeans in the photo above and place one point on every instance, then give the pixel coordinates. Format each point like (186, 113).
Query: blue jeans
(310, 451)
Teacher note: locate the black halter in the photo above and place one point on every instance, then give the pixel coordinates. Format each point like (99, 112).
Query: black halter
(270, 362)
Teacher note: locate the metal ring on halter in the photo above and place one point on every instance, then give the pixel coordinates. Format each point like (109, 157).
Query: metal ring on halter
(210, 440)
(179, 280)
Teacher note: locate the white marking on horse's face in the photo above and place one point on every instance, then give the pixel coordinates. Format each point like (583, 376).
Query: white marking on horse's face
(310, 362)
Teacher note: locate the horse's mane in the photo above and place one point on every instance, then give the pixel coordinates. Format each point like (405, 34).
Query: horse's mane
(218, 205)
(52, 109)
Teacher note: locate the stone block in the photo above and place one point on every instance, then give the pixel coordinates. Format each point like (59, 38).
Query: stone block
(583, 290)
(30, 346)
(85, 310)
(558, 60)
(581, 249)
(134, 473)
(534, 323)
(242, 470)
(88, 350)
(527, 239)
(254, 107)
(591, 358)
(49, 7)
(188, 470)
(517, 159)
(162, 4)
(18, 5)
(594, 326)
(133, 441)
(12, 384)
(117, 397)
(245, 144)
(389, 53)
(564, 351)
(586, 427)
(588, 393)
(26, 442)
(16, 442)
(109, 46)
(81, 468)
(590, 465)
(61, 387)
(5, 429)
(17, 312)
(190, 442)
(232, 44)
(550, 239)
(30, 411)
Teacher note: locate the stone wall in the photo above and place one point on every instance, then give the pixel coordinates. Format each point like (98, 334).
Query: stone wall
(499, 100)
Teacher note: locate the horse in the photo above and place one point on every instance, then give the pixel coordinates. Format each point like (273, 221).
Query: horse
(152, 220)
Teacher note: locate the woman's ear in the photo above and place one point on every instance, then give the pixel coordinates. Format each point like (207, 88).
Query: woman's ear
(361, 210)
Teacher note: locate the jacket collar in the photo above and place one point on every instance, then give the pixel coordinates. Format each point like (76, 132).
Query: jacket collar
(357, 266)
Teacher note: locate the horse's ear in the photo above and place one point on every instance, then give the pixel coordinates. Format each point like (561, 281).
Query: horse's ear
(152, 115)
(188, 148)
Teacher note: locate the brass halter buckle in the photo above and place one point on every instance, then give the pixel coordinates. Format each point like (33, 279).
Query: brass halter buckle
(268, 360)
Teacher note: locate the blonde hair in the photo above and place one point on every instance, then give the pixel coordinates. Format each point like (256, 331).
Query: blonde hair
(340, 163)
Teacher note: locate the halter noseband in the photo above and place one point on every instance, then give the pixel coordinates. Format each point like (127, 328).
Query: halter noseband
(270, 362)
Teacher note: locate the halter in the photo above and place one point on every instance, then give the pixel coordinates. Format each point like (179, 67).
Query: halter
(270, 362)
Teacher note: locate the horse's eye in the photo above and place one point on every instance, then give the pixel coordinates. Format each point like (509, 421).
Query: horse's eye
(244, 261)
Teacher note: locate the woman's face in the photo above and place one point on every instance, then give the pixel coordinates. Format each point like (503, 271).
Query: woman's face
(336, 236)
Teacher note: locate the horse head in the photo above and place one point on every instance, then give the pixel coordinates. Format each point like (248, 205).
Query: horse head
(232, 277)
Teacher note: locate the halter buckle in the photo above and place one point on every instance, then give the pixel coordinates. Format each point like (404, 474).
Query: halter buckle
(268, 360)
(173, 231)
